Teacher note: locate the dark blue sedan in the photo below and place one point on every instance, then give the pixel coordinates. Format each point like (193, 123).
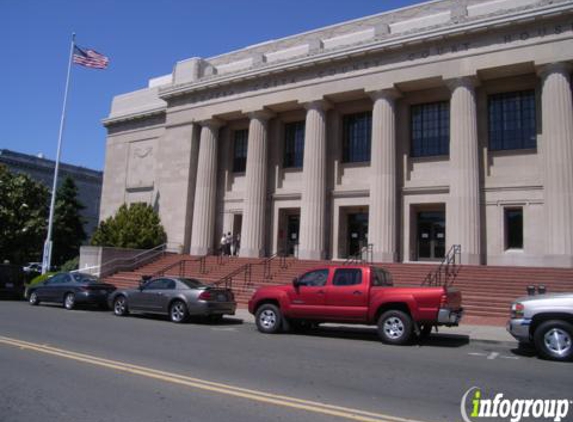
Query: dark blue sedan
(71, 289)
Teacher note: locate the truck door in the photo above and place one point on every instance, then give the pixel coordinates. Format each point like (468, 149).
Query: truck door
(347, 295)
(308, 299)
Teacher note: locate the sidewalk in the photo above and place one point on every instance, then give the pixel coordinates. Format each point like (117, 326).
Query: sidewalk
(475, 333)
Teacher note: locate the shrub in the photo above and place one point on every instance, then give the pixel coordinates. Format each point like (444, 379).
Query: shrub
(40, 278)
(137, 226)
(71, 265)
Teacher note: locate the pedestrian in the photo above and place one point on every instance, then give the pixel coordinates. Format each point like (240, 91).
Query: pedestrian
(228, 241)
(223, 244)
(237, 243)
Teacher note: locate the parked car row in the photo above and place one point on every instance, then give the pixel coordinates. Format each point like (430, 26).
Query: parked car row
(341, 294)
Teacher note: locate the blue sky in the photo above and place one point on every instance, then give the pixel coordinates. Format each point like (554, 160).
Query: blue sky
(143, 39)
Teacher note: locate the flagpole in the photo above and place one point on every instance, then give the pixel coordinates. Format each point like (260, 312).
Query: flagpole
(47, 257)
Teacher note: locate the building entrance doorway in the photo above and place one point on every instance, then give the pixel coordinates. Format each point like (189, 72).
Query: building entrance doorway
(289, 226)
(357, 234)
(431, 235)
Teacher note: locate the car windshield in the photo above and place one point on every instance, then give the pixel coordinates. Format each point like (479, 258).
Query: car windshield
(84, 278)
(191, 283)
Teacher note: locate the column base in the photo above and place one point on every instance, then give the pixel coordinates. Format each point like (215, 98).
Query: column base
(310, 255)
(198, 250)
(378, 256)
(470, 259)
(561, 261)
(251, 253)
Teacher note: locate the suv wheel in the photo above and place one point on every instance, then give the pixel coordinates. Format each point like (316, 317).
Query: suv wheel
(554, 340)
(395, 327)
(269, 319)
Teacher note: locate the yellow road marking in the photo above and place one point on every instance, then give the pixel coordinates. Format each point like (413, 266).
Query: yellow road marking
(255, 395)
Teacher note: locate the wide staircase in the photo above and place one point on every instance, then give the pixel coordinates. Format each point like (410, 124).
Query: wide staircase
(487, 290)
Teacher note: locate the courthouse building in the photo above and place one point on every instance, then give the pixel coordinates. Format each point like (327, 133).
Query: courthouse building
(447, 122)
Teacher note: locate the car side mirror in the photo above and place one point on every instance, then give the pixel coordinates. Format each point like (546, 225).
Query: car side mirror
(296, 282)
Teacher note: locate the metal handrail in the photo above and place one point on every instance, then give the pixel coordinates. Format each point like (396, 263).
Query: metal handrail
(227, 281)
(447, 270)
(268, 262)
(358, 257)
(126, 264)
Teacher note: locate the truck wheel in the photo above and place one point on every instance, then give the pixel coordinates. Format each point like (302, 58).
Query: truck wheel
(269, 319)
(395, 327)
(554, 340)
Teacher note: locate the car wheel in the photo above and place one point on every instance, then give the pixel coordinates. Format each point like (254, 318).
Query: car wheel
(395, 327)
(554, 340)
(269, 319)
(178, 312)
(69, 301)
(34, 300)
(120, 306)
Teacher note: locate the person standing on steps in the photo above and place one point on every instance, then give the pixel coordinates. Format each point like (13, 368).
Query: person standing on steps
(223, 244)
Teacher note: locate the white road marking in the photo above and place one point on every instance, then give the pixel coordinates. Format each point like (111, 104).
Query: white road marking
(492, 355)
(224, 329)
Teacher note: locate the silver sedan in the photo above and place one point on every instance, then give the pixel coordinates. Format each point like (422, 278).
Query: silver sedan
(179, 298)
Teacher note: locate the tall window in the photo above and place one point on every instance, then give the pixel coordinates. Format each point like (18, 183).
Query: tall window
(512, 122)
(294, 145)
(240, 151)
(514, 228)
(430, 128)
(357, 134)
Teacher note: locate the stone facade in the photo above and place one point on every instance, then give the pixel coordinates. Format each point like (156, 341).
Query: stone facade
(88, 182)
(172, 144)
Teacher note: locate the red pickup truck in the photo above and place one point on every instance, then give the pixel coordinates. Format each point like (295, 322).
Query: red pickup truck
(357, 294)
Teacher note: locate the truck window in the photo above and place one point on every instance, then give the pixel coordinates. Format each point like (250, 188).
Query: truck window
(314, 278)
(381, 277)
(347, 277)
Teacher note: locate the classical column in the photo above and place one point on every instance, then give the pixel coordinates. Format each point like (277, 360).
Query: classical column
(252, 232)
(205, 190)
(313, 201)
(557, 151)
(463, 215)
(382, 212)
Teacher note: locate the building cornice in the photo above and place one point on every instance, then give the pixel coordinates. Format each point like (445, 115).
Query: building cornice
(364, 48)
(133, 116)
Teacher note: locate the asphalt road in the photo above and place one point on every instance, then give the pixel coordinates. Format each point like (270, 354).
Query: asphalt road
(148, 369)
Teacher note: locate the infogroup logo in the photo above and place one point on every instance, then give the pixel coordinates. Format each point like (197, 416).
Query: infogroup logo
(514, 410)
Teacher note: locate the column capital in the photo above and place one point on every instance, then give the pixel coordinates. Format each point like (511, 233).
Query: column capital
(212, 123)
(469, 82)
(557, 67)
(262, 114)
(322, 105)
(389, 94)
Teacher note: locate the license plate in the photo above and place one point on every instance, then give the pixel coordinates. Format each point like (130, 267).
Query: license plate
(221, 297)
(9, 285)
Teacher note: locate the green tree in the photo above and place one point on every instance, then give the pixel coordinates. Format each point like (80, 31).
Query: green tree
(137, 226)
(23, 217)
(68, 234)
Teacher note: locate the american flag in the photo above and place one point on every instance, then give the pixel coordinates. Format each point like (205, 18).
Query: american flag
(90, 58)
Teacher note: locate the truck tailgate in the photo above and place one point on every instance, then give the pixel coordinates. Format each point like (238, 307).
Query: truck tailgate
(454, 298)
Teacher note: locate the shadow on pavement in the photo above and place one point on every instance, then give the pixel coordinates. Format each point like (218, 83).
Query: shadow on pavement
(370, 334)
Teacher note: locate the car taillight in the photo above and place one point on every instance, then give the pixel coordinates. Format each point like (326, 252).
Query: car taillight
(517, 310)
(206, 295)
(444, 301)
